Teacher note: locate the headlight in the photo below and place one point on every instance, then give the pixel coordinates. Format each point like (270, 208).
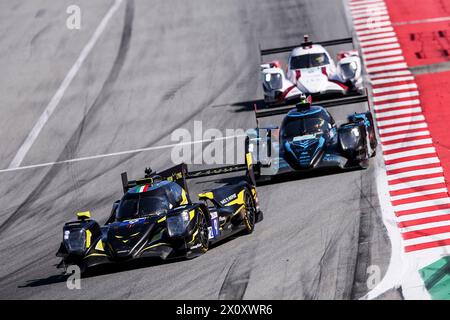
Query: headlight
(350, 139)
(349, 70)
(176, 225)
(75, 240)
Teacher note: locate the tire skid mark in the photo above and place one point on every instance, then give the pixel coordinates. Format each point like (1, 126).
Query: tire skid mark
(72, 144)
(363, 254)
(171, 93)
(37, 37)
(238, 275)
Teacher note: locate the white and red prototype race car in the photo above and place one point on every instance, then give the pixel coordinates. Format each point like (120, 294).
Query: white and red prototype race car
(310, 70)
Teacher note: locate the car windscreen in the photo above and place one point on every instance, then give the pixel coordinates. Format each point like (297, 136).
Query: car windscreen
(304, 126)
(273, 81)
(309, 61)
(140, 205)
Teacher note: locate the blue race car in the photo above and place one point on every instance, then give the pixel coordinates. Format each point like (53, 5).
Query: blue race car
(309, 139)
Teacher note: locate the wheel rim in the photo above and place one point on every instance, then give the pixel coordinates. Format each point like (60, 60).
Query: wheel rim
(249, 212)
(203, 232)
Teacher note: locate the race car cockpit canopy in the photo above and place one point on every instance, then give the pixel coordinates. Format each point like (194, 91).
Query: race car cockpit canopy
(314, 121)
(148, 200)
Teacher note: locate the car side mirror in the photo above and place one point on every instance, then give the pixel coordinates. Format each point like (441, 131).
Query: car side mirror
(84, 215)
(112, 216)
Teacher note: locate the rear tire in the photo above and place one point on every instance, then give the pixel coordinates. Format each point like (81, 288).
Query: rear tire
(364, 164)
(203, 234)
(250, 212)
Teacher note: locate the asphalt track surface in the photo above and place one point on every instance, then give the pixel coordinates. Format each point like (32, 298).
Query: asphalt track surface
(159, 66)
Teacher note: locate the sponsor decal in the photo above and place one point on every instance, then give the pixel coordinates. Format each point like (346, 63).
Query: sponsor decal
(210, 233)
(228, 199)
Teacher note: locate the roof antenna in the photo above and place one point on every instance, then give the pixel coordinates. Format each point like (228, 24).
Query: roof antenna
(148, 172)
(306, 42)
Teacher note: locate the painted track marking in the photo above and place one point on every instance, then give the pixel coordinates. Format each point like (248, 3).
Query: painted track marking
(115, 154)
(54, 102)
(415, 177)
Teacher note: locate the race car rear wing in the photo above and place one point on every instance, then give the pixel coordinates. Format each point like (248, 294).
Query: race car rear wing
(306, 43)
(180, 173)
(326, 104)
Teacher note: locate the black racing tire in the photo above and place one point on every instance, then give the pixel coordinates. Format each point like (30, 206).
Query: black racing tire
(203, 234)
(364, 164)
(250, 212)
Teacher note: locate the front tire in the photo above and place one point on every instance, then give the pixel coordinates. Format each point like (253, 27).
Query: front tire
(250, 213)
(203, 234)
(364, 164)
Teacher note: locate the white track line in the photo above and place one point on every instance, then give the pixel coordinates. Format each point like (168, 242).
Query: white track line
(424, 132)
(432, 20)
(416, 183)
(396, 96)
(422, 204)
(406, 144)
(373, 31)
(370, 15)
(391, 80)
(369, 6)
(358, 3)
(428, 238)
(409, 153)
(385, 60)
(402, 271)
(383, 114)
(394, 66)
(382, 54)
(381, 48)
(419, 194)
(378, 41)
(395, 88)
(403, 120)
(397, 104)
(368, 21)
(373, 25)
(421, 215)
(32, 136)
(377, 36)
(414, 173)
(405, 72)
(404, 128)
(373, 8)
(425, 226)
(115, 154)
(412, 163)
